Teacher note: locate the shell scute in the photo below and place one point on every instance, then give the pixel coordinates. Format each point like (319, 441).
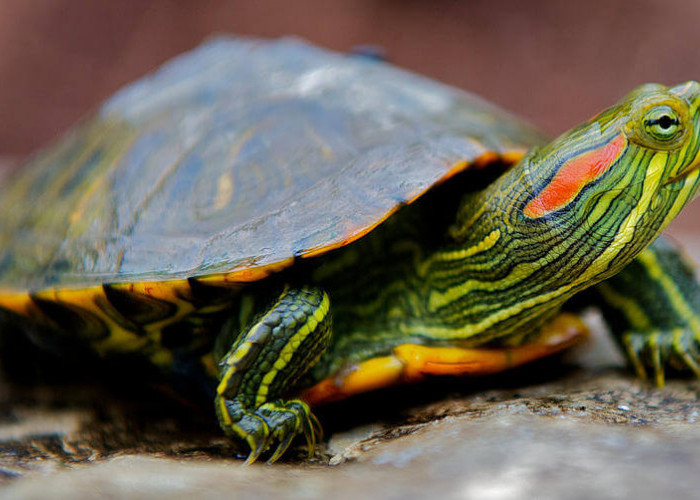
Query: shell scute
(234, 159)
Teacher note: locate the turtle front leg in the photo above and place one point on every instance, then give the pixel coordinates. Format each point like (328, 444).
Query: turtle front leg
(263, 364)
(653, 310)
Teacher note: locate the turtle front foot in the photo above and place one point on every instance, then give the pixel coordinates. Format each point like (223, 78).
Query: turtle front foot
(653, 310)
(263, 364)
(656, 352)
(274, 422)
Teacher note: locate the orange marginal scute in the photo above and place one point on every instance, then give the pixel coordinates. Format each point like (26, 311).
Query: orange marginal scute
(356, 233)
(412, 362)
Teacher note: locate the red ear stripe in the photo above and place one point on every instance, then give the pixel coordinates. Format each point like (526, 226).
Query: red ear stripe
(573, 176)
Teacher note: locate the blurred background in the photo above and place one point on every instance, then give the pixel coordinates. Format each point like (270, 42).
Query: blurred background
(555, 63)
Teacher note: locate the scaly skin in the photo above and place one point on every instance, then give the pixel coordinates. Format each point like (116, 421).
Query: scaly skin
(260, 366)
(568, 216)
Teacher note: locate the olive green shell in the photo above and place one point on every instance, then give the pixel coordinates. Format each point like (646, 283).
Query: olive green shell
(237, 156)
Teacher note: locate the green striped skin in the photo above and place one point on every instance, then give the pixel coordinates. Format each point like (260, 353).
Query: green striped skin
(652, 310)
(499, 274)
(494, 274)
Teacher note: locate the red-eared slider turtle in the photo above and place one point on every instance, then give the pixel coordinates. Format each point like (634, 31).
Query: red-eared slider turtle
(219, 212)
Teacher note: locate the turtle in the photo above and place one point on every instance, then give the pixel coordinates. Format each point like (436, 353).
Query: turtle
(298, 226)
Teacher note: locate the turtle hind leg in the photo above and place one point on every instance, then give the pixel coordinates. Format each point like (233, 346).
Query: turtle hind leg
(653, 309)
(263, 364)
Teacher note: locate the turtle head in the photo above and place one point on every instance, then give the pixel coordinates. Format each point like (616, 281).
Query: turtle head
(578, 210)
(624, 174)
(661, 126)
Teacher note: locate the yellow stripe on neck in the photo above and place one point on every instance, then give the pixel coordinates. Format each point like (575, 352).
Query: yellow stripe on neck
(626, 232)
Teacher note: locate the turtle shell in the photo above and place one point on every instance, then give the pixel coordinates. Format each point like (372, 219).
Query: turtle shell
(234, 159)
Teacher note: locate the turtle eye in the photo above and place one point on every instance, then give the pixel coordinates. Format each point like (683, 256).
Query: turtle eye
(662, 123)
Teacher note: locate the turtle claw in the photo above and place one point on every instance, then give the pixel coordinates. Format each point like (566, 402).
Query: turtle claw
(317, 428)
(281, 448)
(307, 424)
(256, 433)
(310, 440)
(279, 421)
(256, 448)
(653, 353)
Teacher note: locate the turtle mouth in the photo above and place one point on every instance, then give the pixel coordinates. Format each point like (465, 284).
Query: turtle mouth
(684, 173)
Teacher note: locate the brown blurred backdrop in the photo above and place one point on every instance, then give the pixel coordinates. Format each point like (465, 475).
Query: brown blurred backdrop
(552, 61)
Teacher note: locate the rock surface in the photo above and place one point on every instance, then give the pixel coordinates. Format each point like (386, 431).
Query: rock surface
(594, 432)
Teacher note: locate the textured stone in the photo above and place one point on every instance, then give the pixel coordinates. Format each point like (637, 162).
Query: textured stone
(604, 435)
